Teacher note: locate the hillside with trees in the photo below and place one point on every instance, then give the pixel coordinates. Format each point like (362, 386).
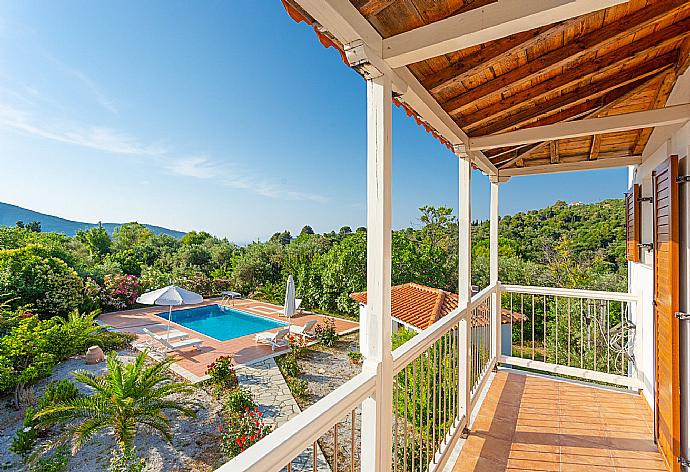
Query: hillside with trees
(51, 274)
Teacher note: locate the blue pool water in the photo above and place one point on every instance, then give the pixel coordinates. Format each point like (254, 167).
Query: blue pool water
(220, 322)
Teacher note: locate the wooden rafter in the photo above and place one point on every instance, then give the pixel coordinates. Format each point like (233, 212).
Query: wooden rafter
(372, 7)
(594, 148)
(610, 62)
(590, 111)
(470, 65)
(572, 51)
(553, 152)
(584, 93)
(663, 92)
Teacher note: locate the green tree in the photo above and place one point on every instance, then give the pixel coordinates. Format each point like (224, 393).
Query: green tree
(345, 230)
(127, 398)
(193, 238)
(97, 240)
(130, 235)
(306, 229)
(282, 238)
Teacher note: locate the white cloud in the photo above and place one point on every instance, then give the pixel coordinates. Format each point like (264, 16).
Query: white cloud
(99, 138)
(196, 166)
(89, 84)
(116, 141)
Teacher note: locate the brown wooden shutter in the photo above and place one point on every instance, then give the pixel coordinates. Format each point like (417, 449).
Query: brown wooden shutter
(632, 224)
(666, 304)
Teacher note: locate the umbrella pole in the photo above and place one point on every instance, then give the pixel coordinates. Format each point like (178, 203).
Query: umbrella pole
(167, 336)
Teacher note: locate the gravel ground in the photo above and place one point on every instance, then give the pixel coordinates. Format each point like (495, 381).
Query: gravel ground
(195, 445)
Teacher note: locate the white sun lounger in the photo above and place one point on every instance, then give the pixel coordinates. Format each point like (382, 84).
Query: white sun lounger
(276, 339)
(173, 334)
(172, 346)
(306, 331)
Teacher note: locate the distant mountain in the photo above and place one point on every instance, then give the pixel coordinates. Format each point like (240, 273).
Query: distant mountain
(10, 214)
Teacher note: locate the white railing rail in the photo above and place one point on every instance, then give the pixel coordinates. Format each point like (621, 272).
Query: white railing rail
(586, 334)
(277, 450)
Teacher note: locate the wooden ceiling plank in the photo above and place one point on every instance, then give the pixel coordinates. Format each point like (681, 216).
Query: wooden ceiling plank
(663, 93)
(574, 75)
(566, 54)
(372, 7)
(610, 101)
(583, 93)
(471, 64)
(481, 25)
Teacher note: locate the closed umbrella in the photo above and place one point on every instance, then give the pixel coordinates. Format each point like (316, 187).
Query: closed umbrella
(289, 308)
(170, 296)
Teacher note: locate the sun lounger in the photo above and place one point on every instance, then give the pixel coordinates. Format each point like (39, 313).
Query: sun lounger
(306, 331)
(173, 334)
(172, 346)
(276, 339)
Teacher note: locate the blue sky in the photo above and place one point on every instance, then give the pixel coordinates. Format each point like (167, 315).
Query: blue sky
(224, 116)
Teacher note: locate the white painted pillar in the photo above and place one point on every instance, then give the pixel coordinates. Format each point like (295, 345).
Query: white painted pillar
(464, 277)
(493, 270)
(375, 328)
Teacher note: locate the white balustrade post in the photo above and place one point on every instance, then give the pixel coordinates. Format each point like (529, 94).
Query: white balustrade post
(493, 271)
(375, 327)
(464, 278)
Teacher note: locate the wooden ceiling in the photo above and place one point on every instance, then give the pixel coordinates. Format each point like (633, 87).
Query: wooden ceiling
(622, 59)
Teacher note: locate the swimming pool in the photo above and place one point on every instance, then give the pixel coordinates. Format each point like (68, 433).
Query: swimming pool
(221, 322)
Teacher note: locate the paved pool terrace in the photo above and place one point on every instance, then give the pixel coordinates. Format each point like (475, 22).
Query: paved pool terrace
(191, 363)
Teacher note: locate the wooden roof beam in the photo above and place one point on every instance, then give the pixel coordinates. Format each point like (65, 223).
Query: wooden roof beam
(574, 129)
(612, 61)
(481, 25)
(566, 54)
(588, 110)
(604, 163)
(588, 91)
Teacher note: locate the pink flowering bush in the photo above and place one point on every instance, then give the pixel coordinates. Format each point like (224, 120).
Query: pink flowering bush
(200, 283)
(119, 291)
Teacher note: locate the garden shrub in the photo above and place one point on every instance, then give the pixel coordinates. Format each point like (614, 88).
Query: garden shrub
(58, 391)
(124, 459)
(56, 462)
(111, 340)
(200, 283)
(298, 387)
(326, 333)
(288, 366)
(119, 292)
(355, 357)
(241, 431)
(222, 373)
(238, 400)
(25, 438)
(31, 276)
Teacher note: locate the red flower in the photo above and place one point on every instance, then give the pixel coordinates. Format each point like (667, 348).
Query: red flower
(246, 409)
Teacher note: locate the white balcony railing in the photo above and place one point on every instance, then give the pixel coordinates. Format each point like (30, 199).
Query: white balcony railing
(437, 379)
(580, 333)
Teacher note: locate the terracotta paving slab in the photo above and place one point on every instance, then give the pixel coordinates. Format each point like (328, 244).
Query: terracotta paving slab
(530, 423)
(243, 349)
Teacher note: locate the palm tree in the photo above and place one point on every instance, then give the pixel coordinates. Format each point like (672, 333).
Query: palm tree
(127, 397)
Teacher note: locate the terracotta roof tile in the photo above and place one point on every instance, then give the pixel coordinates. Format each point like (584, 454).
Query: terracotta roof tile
(420, 306)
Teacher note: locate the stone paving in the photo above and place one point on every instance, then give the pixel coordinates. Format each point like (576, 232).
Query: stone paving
(271, 393)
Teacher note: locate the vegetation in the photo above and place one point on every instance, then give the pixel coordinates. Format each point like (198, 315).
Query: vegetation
(222, 373)
(242, 431)
(326, 333)
(127, 398)
(355, 357)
